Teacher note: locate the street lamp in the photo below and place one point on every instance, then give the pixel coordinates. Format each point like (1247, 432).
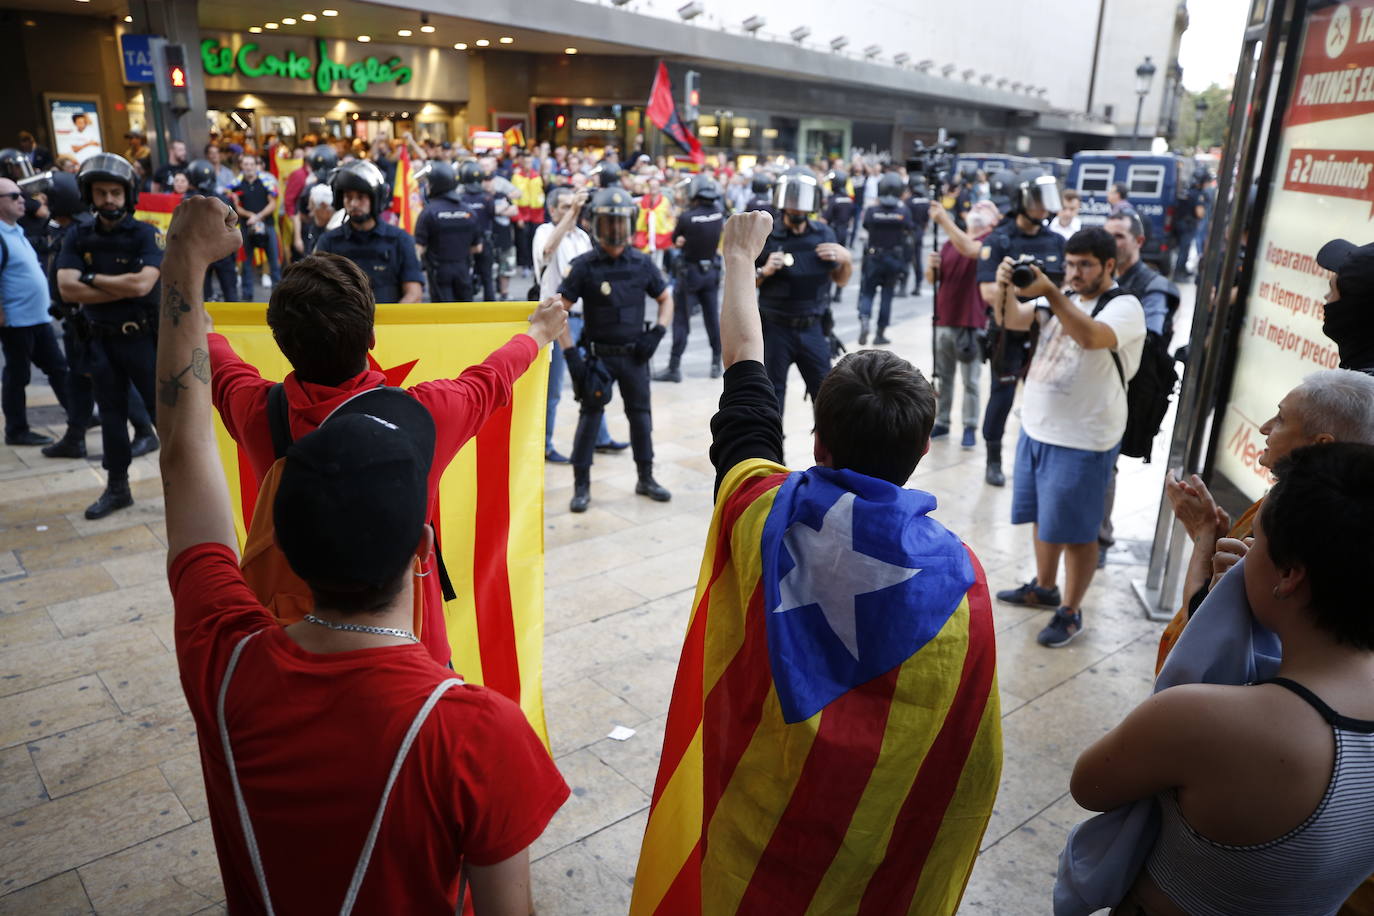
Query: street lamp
(1199, 110)
(1144, 76)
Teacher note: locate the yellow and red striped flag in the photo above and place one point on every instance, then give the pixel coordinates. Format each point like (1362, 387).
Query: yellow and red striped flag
(405, 194)
(514, 136)
(833, 744)
(496, 624)
(156, 209)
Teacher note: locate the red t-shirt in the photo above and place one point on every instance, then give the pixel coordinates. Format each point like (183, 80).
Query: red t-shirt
(958, 304)
(314, 737)
(459, 406)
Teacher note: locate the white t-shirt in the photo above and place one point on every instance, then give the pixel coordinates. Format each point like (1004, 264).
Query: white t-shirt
(575, 243)
(1074, 397)
(1059, 228)
(86, 135)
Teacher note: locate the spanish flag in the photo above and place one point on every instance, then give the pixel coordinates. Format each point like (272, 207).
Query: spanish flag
(514, 136)
(405, 194)
(833, 744)
(496, 624)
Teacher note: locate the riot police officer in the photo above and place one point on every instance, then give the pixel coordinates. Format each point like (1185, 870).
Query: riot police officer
(483, 204)
(15, 166)
(799, 262)
(918, 205)
(1033, 197)
(611, 281)
(111, 267)
(697, 237)
(889, 227)
(201, 174)
(761, 191)
(321, 160)
(386, 253)
(839, 207)
(448, 233)
(608, 174)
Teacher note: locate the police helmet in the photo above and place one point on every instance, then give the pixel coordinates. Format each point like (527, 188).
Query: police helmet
(108, 167)
(322, 160)
(15, 165)
(761, 183)
(64, 197)
(201, 174)
(361, 175)
(441, 178)
(612, 217)
(838, 180)
(703, 188)
(890, 188)
(1036, 187)
(607, 174)
(470, 176)
(1002, 189)
(798, 189)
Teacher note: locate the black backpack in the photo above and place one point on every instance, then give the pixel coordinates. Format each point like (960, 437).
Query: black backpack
(1149, 390)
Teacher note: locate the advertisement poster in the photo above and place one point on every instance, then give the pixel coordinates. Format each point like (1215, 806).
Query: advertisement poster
(1323, 189)
(75, 127)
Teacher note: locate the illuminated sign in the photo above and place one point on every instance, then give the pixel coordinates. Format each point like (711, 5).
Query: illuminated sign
(597, 125)
(323, 72)
(176, 78)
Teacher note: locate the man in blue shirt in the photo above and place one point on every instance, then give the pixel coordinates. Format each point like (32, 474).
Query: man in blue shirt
(26, 334)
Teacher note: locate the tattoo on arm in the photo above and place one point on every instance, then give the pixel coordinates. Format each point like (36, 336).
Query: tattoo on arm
(170, 388)
(174, 305)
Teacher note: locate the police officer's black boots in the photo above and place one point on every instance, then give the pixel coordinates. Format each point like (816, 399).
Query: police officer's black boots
(116, 496)
(671, 374)
(880, 339)
(994, 475)
(716, 368)
(649, 487)
(144, 441)
(71, 445)
(582, 490)
(863, 332)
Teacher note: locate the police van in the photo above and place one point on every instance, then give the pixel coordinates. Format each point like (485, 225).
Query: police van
(991, 163)
(1157, 186)
(1059, 168)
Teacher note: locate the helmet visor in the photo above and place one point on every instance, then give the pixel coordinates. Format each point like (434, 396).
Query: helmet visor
(611, 228)
(797, 192)
(1044, 190)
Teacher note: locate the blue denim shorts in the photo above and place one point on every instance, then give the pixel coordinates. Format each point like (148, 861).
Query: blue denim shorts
(1063, 490)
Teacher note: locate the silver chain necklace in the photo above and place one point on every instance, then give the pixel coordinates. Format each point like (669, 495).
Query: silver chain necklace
(361, 628)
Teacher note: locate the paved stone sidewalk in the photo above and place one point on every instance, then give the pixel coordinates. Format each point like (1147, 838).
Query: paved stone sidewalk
(101, 804)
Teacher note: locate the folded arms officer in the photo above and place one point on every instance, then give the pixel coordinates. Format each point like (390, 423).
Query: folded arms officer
(697, 238)
(612, 281)
(448, 233)
(386, 253)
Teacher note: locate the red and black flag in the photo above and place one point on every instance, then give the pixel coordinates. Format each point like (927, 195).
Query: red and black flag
(663, 112)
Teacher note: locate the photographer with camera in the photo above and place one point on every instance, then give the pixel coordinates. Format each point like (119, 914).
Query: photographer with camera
(1072, 417)
(1028, 198)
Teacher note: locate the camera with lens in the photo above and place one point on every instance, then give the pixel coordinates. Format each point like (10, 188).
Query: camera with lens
(1023, 272)
(935, 162)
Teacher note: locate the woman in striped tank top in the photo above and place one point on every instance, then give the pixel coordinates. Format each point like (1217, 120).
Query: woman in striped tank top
(1266, 791)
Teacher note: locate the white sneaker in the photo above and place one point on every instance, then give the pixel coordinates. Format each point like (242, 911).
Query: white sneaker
(266, 282)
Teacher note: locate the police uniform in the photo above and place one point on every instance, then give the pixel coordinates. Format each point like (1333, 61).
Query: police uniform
(612, 292)
(1009, 351)
(918, 206)
(885, 258)
(483, 205)
(122, 335)
(223, 269)
(793, 303)
(764, 202)
(254, 196)
(448, 229)
(386, 254)
(698, 276)
(839, 216)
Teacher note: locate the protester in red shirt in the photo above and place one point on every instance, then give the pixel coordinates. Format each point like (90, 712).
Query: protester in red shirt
(321, 314)
(344, 768)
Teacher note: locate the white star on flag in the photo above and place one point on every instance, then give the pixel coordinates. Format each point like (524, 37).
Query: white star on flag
(828, 571)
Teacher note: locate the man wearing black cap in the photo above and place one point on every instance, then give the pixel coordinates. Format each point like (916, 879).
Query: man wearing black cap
(364, 826)
(1350, 302)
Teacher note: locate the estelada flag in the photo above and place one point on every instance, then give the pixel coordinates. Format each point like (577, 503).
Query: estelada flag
(662, 110)
(496, 624)
(833, 744)
(405, 196)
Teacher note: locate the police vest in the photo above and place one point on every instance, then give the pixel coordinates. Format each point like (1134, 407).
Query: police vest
(887, 226)
(451, 229)
(115, 253)
(375, 251)
(613, 295)
(701, 227)
(801, 286)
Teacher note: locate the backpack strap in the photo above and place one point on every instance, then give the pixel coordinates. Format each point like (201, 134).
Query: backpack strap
(279, 419)
(1102, 301)
(246, 822)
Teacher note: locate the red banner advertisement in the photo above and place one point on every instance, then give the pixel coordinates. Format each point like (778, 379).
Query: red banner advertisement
(1336, 77)
(1332, 172)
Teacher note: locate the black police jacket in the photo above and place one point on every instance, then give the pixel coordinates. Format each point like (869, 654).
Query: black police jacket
(612, 292)
(384, 252)
(448, 229)
(125, 249)
(701, 226)
(888, 226)
(800, 288)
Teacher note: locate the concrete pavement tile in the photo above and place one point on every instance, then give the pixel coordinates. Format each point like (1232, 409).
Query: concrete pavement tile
(82, 757)
(10, 566)
(637, 757)
(582, 712)
(59, 835)
(1028, 669)
(48, 710)
(95, 548)
(643, 680)
(140, 568)
(1062, 723)
(183, 774)
(581, 650)
(145, 682)
(23, 502)
(41, 589)
(581, 600)
(656, 577)
(77, 479)
(600, 797)
(25, 628)
(616, 847)
(570, 528)
(134, 604)
(20, 785)
(1010, 701)
(51, 662)
(1066, 813)
(657, 537)
(173, 873)
(27, 535)
(1030, 784)
(571, 882)
(640, 509)
(145, 510)
(1016, 876)
(60, 895)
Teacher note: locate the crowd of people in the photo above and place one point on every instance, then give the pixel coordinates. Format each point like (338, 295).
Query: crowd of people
(1257, 783)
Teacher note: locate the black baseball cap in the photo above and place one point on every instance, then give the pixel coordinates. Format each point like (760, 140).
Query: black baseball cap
(1353, 266)
(354, 494)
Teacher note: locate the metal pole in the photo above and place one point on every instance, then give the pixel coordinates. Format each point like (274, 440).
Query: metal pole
(1139, 107)
(1197, 135)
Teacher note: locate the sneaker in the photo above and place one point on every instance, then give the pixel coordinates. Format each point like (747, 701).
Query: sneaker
(939, 431)
(970, 438)
(1031, 595)
(266, 282)
(554, 456)
(1062, 629)
(880, 339)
